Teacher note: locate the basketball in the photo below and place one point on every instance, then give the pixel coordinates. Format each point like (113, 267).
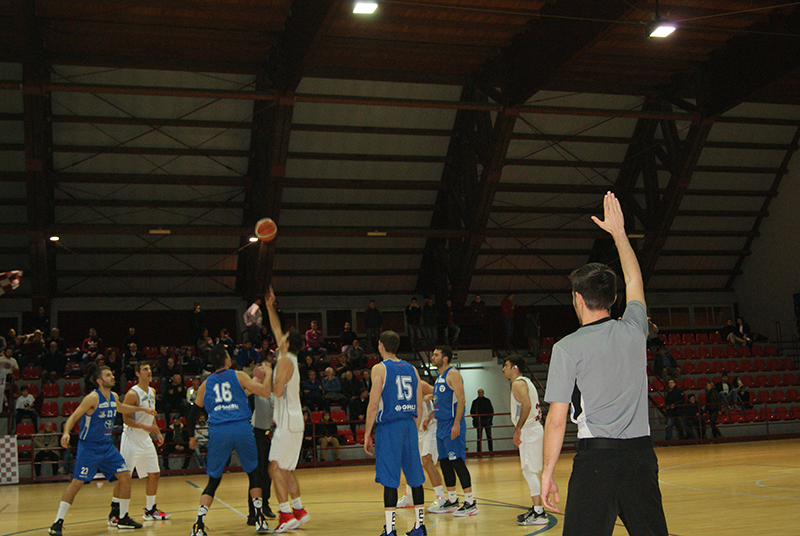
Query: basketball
(266, 230)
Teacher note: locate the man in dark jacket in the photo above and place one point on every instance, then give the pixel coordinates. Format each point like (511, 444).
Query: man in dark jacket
(372, 323)
(676, 402)
(482, 414)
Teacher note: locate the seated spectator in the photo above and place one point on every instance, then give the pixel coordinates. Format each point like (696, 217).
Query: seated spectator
(25, 407)
(89, 385)
(164, 353)
(351, 386)
(312, 392)
(32, 350)
(12, 341)
(327, 436)
(246, 355)
(8, 364)
(130, 358)
(355, 355)
(176, 443)
(308, 448)
(46, 447)
(315, 342)
(729, 333)
(201, 434)
(264, 351)
(340, 365)
(652, 333)
(664, 364)
(191, 392)
(174, 396)
(204, 345)
(742, 393)
(713, 403)
(68, 454)
(726, 392)
(130, 338)
(346, 337)
(226, 341)
(305, 367)
(114, 362)
(53, 362)
(92, 347)
(744, 331)
(450, 327)
(55, 336)
(170, 370)
(358, 409)
(41, 320)
(192, 364)
(264, 336)
(332, 389)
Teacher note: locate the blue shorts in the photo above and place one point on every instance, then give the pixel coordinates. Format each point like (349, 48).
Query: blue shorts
(451, 448)
(92, 457)
(397, 447)
(224, 439)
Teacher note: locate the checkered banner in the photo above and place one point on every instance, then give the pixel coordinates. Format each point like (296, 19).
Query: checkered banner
(9, 281)
(9, 468)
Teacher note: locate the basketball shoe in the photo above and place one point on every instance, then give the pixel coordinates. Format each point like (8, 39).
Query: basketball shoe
(154, 514)
(198, 530)
(405, 501)
(419, 531)
(532, 517)
(445, 508)
(261, 525)
(301, 516)
(435, 505)
(128, 523)
(384, 533)
(467, 509)
(286, 522)
(56, 528)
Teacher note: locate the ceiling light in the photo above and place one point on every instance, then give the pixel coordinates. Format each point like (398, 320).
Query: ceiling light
(363, 7)
(54, 239)
(659, 26)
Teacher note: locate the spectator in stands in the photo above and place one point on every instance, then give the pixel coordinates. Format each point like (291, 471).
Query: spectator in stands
(92, 347)
(253, 319)
(114, 362)
(312, 391)
(191, 392)
(246, 355)
(413, 317)
(55, 336)
(129, 339)
(507, 307)
(694, 416)
(25, 407)
(450, 323)
(89, 384)
(652, 332)
(366, 379)
(350, 387)
(192, 364)
(346, 337)
(226, 341)
(164, 353)
(174, 396)
(429, 322)
(264, 336)
(68, 454)
(264, 351)
(7, 366)
(741, 391)
(46, 447)
(2, 343)
(372, 322)
(675, 402)
(332, 389)
(169, 370)
(129, 360)
(53, 362)
(204, 345)
(744, 331)
(482, 413)
(308, 448)
(726, 392)
(176, 443)
(358, 408)
(201, 434)
(11, 339)
(355, 355)
(32, 349)
(327, 436)
(477, 313)
(730, 333)
(41, 320)
(340, 365)
(315, 342)
(664, 364)
(305, 367)
(713, 402)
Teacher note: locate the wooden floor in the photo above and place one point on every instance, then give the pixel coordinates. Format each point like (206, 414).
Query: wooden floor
(745, 489)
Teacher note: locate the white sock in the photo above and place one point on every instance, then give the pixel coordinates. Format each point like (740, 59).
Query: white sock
(150, 501)
(296, 504)
(439, 491)
(419, 519)
(62, 510)
(538, 509)
(451, 496)
(468, 498)
(285, 507)
(123, 507)
(202, 510)
(390, 516)
(257, 503)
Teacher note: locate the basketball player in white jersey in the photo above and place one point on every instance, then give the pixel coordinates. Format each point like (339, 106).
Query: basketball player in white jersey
(526, 415)
(288, 414)
(428, 452)
(137, 448)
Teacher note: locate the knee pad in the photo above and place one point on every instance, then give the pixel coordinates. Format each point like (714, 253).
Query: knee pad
(389, 497)
(463, 473)
(252, 477)
(211, 487)
(448, 472)
(534, 484)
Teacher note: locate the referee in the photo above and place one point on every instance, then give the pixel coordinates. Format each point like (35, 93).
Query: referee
(601, 370)
(262, 428)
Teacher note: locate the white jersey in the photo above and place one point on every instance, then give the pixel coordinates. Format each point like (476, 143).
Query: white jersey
(535, 416)
(146, 400)
(427, 409)
(288, 410)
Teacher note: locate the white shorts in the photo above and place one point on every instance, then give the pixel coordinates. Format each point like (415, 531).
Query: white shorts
(530, 450)
(285, 448)
(427, 443)
(139, 454)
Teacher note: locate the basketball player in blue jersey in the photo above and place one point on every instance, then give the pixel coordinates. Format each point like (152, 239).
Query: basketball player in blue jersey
(223, 396)
(395, 403)
(95, 449)
(451, 434)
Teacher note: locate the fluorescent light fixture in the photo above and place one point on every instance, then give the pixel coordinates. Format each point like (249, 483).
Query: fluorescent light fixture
(660, 28)
(54, 239)
(365, 7)
(636, 235)
(253, 239)
(376, 233)
(160, 231)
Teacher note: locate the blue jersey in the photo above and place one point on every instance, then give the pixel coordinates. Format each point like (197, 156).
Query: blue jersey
(97, 427)
(224, 399)
(444, 400)
(399, 396)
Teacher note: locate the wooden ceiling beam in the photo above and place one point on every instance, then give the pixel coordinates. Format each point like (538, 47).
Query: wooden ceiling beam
(148, 203)
(154, 122)
(150, 178)
(162, 151)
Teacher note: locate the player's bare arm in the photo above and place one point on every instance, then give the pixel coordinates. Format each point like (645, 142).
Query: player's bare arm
(283, 373)
(426, 388)
(87, 406)
(520, 391)
(253, 386)
(378, 377)
(614, 224)
(456, 383)
(274, 321)
(554, 429)
(125, 409)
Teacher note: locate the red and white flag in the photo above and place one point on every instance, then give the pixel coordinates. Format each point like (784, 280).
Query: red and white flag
(9, 281)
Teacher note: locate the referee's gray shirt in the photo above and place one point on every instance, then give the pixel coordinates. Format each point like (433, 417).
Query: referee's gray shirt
(262, 412)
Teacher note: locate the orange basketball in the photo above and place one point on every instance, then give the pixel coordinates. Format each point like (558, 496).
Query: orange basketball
(266, 229)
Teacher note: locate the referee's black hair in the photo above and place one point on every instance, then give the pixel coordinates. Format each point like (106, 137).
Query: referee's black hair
(597, 284)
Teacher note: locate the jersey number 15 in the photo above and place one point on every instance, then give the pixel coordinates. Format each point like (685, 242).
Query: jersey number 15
(405, 389)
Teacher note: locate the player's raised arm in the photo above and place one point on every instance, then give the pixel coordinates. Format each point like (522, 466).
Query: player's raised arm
(274, 320)
(614, 224)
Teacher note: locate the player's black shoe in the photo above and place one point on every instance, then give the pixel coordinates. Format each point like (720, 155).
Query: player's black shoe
(268, 511)
(56, 528)
(128, 523)
(530, 511)
(198, 530)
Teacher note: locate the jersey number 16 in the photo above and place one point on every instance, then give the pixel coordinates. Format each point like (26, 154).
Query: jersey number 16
(223, 392)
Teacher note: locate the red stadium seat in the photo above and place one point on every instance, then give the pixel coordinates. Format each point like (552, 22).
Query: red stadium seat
(24, 452)
(50, 390)
(751, 415)
(794, 412)
(69, 407)
(762, 380)
(792, 395)
(161, 423)
(675, 338)
(763, 397)
(156, 385)
(785, 364)
(748, 381)
(663, 338)
(31, 373)
(338, 415)
(689, 353)
(775, 380)
(702, 381)
(72, 390)
(316, 416)
(688, 384)
(657, 385)
(360, 435)
(759, 365)
(548, 342)
(129, 384)
(777, 396)
(717, 367)
(743, 351)
(717, 352)
(702, 396)
(688, 368)
(49, 409)
(773, 364)
(766, 414)
(701, 338)
(770, 351)
(676, 353)
(715, 338)
(732, 366)
(757, 351)
(737, 416)
(346, 437)
(729, 352)
(723, 418)
(703, 353)
(658, 401)
(746, 366)
(25, 430)
(703, 367)
(688, 338)
(782, 414)
(789, 379)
